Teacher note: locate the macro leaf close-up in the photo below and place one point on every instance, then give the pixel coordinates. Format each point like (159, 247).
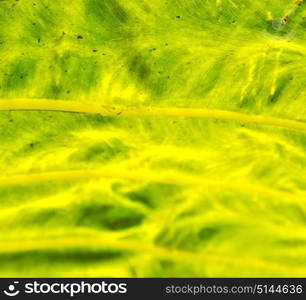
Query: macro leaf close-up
(153, 138)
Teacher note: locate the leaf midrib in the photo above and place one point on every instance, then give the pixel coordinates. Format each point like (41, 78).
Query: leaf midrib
(150, 111)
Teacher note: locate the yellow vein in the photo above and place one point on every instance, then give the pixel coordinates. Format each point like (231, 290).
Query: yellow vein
(110, 110)
(145, 176)
(139, 247)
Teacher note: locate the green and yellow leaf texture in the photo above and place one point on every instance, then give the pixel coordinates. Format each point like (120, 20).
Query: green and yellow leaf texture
(153, 138)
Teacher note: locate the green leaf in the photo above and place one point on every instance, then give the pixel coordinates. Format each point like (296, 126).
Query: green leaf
(153, 138)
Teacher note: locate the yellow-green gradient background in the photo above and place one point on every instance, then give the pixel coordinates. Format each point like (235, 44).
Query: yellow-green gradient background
(166, 195)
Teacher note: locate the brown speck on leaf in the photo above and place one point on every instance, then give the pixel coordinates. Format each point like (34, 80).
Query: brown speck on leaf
(285, 20)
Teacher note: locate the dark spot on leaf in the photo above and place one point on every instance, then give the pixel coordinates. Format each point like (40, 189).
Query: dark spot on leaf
(139, 68)
(109, 217)
(207, 233)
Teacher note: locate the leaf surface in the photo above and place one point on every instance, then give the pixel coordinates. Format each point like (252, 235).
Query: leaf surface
(153, 138)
